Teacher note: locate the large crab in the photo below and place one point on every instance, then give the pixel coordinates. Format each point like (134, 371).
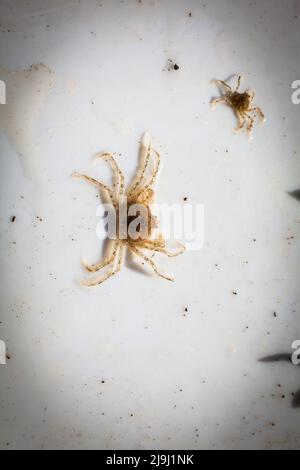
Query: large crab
(139, 195)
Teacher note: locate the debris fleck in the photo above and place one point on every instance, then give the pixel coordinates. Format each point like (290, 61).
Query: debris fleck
(172, 65)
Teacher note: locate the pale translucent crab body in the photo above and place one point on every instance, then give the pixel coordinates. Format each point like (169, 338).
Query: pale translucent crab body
(140, 193)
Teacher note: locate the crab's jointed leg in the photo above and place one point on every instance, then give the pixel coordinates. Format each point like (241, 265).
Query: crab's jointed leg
(145, 152)
(166, 252)
(149, 183)
(241, 121)
(222, 83)
(215, 101)
(98, 184)
(252, 94)
(96, 267)
(149, 261)
(114, 270)
(238, 83)
(119, 177)
(250, 126)
(260, 113)
(151, 245)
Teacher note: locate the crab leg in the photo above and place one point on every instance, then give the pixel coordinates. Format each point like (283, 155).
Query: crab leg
(114, 270)
(119, 177)
(152, 245)
(98, 184)
(215, 101)
(238, 83)
(241, 121)
(222, 83)
(259, 111)
(146, 152)
(96, 267)
(154, 174)
(150, 262)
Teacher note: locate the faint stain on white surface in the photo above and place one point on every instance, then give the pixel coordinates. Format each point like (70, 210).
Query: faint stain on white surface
(26, 93)
(72, 86)
(115, 119)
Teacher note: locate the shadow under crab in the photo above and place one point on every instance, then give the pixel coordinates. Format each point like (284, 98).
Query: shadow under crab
(286, 357)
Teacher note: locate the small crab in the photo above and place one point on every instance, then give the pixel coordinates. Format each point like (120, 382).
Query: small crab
(241, 103)
(139, 193)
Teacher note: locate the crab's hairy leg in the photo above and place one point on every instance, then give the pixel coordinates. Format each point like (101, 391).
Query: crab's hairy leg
(241, 121)
(181, 249)
(250, 126)
(146, 150)
(98, 184)
(154, 245)
(259, 111)
(114, 270)
(215, 101)
(166, 252)
(222, 83)
(155, 170)
(118, 175)
(151, 243)
(96, 267)
(239, 77)
(252, 94)
(151, 181)
(150, 262)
